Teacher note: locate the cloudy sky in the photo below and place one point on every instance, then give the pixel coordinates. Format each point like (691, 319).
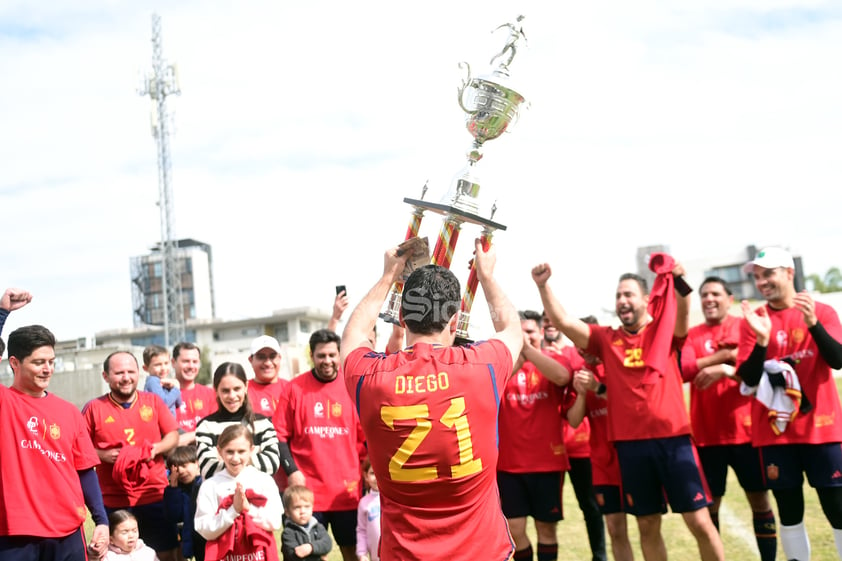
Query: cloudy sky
(705, 125)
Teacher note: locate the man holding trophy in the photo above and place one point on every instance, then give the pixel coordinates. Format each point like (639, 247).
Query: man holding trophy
(429, 413)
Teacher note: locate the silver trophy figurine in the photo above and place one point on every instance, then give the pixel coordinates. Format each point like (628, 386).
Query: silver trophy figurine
(491, 105)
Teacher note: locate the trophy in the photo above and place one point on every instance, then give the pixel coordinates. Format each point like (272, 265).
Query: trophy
(491, 105)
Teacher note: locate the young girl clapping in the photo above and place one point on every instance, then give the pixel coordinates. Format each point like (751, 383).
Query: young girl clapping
(239, 508)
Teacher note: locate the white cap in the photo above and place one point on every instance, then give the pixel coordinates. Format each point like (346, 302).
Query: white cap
(770, 258)
(265, 342)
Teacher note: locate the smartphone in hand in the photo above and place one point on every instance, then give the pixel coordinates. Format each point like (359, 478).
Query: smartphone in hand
(340, 288)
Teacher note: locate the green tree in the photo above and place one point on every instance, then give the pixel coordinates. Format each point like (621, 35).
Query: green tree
(205, 375)
(830, 282)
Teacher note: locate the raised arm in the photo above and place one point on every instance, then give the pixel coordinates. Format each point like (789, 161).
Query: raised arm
(503, 314)
(682, 313)
(575, 329)
(365, 315)
(340, 304)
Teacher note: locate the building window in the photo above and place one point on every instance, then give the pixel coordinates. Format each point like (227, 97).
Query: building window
(157, 270)
(282, 332)
(304, 325)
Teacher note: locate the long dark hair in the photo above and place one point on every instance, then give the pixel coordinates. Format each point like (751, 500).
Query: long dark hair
(236, 370)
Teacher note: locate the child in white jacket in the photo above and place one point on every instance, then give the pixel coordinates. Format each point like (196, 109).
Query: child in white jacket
(124, 543)
(239, 508)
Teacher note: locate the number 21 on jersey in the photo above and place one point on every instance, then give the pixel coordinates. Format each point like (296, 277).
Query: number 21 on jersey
(454, 417)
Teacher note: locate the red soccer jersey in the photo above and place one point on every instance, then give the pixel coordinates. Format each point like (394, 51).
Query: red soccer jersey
(318, 421)
(577, 441)
(430, 416)
(196, 403)
(264, 397)
(529, 424)
(731, 422)
(644, 403)
(44, 442)
(146, 420)
(604, 463)
(790, 338)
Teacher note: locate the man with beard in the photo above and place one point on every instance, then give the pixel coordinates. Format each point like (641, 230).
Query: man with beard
(533, 459)
(321, 441)
(647, 417)
(799, 340)
(132, 432)
(707, 362)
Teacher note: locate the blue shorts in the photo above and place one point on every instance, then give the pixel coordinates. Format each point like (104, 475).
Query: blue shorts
(32, 548)
(744, 458)
(785, 464)
(153, 525)
(531, 494)
(609, 499)
(342, 524)
(658, 467)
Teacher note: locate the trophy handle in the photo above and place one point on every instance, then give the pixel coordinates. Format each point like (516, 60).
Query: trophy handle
(466, 81)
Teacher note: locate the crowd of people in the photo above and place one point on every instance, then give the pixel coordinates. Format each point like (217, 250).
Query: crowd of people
(431, 450)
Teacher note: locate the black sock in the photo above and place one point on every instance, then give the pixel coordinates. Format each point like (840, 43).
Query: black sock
(766, 533)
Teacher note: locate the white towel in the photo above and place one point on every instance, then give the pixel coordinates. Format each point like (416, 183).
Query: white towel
(782, 401)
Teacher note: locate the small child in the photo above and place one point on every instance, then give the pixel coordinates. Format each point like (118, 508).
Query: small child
(368, 518)
(156, 363)
(303, 537)
(180, 498)
(239, 508)
(125, 543)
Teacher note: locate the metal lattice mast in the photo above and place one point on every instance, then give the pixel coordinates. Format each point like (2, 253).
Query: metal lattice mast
(162, 83)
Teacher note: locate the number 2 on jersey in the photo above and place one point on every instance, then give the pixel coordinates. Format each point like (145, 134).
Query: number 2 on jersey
(453, 417)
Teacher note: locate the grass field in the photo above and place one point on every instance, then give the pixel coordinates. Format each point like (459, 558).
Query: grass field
(735, 526)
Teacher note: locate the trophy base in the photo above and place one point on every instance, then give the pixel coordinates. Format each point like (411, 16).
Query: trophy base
(388, 318)
(454, 211)
(462, 341)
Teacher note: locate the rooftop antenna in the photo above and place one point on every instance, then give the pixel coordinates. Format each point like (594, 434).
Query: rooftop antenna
(162, 83)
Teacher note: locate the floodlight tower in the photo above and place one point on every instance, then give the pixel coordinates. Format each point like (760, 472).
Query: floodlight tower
(162, 83)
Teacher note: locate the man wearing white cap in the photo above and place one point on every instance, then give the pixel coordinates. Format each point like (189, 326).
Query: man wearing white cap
(266, 388)
(792, 328)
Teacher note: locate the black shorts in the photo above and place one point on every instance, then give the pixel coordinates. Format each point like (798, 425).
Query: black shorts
(784, 465)
(32, 548)
(743, 458)
(531, 494)
(341, 523)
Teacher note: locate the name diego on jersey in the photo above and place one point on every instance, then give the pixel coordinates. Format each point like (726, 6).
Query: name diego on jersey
(429, 383)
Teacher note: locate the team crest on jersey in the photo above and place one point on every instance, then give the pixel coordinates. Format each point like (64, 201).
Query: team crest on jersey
(617, 342)
(32, 424)
(55, 431)
(797, 335)
(319, 410)
(772, 472)
(198, 404)
(534, 379)
(146, 413)
(710, 348)
(781, 338)
(336, 409)
(109, 420)
(351, 486)
(264, 404)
